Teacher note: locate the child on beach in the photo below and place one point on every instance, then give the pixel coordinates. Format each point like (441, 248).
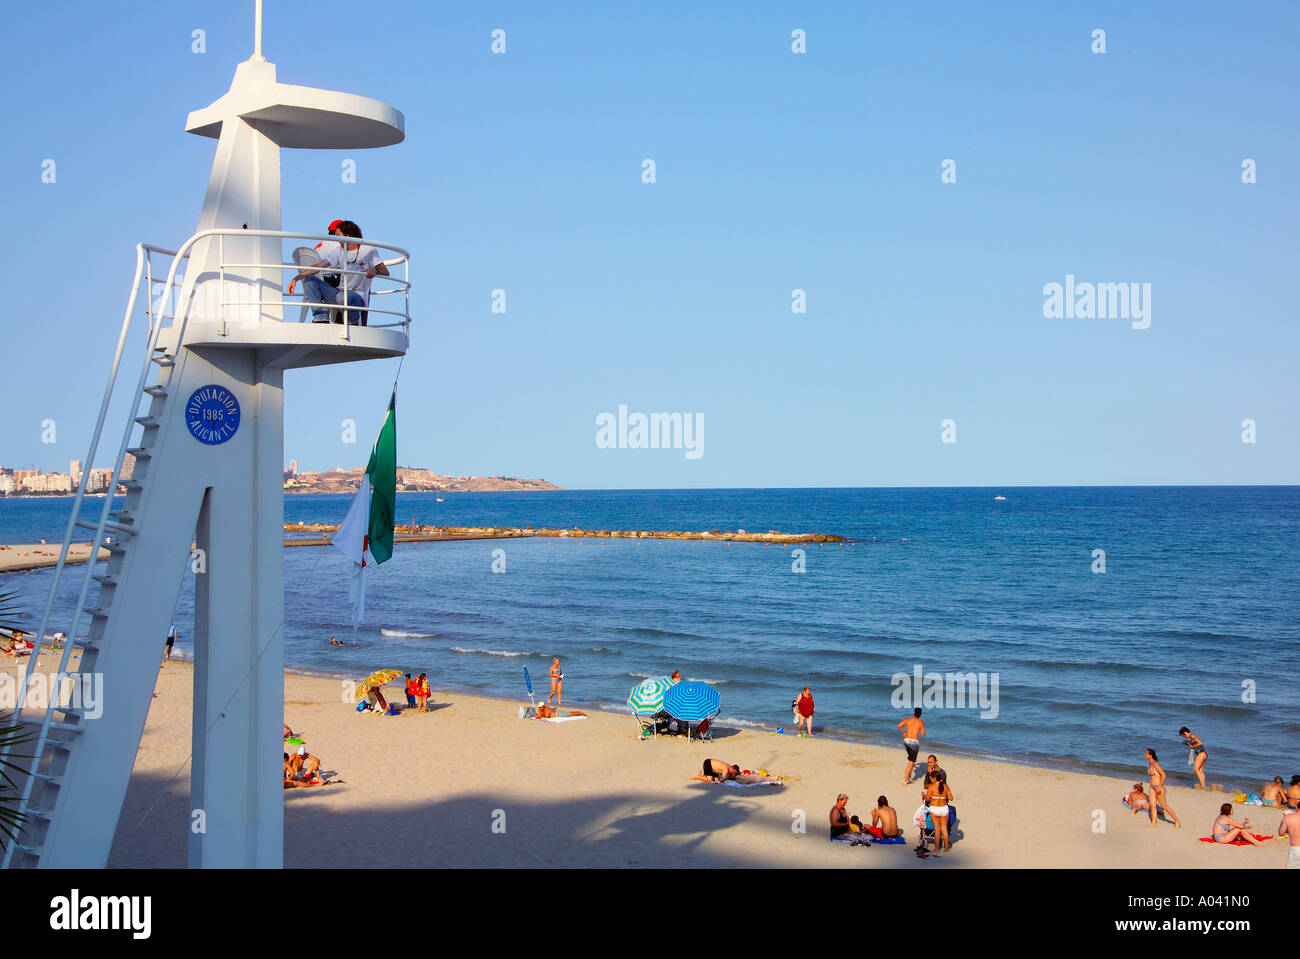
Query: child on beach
(422, 693)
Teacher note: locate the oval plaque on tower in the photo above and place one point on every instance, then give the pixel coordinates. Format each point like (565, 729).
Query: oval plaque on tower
(212, 414)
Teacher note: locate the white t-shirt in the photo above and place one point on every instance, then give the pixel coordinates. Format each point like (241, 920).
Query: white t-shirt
(355, 263)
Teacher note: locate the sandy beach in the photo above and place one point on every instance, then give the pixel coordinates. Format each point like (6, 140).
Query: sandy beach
(16, 559)
(425, 790)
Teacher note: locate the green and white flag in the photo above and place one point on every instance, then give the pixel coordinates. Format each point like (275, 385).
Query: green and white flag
(366, 533)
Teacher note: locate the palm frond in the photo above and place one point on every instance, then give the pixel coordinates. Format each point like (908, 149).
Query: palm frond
(11, 613)
(11, 820)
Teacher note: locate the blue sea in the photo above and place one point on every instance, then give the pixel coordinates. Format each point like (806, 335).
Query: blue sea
(1195, 621)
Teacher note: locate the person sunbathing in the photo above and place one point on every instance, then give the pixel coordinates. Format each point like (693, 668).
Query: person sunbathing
(716, 771)
(1137, 800)
(1227, 829)
(288, 732)
(546, 712)
(884, 820)
(1274, 793)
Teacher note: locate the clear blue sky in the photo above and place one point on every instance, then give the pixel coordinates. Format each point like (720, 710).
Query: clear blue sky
(775, 171)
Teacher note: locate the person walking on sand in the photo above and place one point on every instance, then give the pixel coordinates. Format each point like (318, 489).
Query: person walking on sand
(1197, 753)
(803, 709)
(1158, 797)
(1290, 827)
(912, 729)
(171, 638)
(557, 682)
(1227, 829)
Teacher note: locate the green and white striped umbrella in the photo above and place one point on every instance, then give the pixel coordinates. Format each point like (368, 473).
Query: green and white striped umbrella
(647, 698)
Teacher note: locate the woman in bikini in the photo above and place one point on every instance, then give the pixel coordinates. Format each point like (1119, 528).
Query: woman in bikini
(557, 682)
(1199, 755)
(1227, 829)
(937, 797)
(1158, 798)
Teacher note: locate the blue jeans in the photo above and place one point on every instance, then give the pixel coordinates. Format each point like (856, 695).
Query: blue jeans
(316, 290)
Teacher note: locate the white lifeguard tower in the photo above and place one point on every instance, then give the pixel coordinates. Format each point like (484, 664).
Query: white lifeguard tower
(208, 454)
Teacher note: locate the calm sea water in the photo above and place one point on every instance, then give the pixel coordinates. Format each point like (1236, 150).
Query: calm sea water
(1199, 605)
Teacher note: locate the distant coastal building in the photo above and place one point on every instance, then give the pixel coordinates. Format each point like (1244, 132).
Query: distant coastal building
(7, 485)
(74, 470)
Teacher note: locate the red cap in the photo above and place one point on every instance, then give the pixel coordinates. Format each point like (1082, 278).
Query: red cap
(334, 225)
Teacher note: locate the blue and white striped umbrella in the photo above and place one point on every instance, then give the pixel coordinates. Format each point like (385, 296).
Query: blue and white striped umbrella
(692, 702)
(647, 698)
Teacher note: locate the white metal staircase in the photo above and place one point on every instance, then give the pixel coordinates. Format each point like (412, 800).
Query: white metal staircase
(58, 729)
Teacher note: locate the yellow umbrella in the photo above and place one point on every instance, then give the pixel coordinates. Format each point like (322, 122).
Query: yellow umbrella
(374, 680)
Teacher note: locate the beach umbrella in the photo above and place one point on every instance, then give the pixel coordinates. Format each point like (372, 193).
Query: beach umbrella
(692, 702)
(647, 698)
(375, 680)
(528, 681)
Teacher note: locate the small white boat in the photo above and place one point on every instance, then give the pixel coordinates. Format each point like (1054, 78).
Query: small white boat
(999, 499)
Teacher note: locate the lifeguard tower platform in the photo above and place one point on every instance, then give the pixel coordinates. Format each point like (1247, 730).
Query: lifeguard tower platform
(205, 433)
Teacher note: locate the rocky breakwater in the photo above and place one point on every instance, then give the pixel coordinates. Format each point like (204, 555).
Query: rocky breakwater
(431, 533)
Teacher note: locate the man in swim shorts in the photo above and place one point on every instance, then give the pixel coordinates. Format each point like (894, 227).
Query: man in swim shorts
(884, 820)
(912, 729)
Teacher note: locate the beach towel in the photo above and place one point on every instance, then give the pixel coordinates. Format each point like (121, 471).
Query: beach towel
(890, 840)
(562, 719)
(1235, 842)
(854, 839)
(732, 782)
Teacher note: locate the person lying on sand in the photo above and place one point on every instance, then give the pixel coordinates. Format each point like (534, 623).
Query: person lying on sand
(288, 732)
(1227, 829)
(550, 712)
(716, 771)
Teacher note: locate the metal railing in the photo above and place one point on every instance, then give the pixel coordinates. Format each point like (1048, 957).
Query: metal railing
(251, 309)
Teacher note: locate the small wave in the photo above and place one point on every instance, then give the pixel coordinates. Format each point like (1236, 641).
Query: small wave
(487, 652)
(405, 634)
(711, 682)
(606, 649)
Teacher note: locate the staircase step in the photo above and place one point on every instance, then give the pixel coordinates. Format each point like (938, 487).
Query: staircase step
(158, 391)
(139, 452)
(131, 484)
(84, 643)
(148, 422)
(65, 727)
(125, 529)
(95, 612)
(105, 579)
(163, 360)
